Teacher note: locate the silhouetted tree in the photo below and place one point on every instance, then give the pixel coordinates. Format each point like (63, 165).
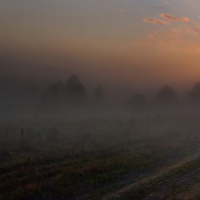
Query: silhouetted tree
(53, 95)
(137, 101)
(195, 93)
(98, 95)
(55, 89)
(166, 95)
(75, 91)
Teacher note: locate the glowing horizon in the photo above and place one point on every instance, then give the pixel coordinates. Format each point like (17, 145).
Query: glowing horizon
(117, 42)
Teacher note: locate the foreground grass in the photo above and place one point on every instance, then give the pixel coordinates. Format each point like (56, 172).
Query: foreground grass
(69, 176)
(89, 158)
(175, 184)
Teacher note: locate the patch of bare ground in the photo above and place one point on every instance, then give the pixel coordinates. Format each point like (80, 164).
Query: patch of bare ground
(164, 189)
(192, 193)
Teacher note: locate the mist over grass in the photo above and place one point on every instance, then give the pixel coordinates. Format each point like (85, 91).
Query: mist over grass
(63, 143)
(60, 157)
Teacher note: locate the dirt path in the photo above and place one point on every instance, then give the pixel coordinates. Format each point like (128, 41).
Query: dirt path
(122, 191)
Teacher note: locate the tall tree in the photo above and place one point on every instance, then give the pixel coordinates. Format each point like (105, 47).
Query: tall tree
(195, 93)
(53, 94)
(166, 95)
(75, 91)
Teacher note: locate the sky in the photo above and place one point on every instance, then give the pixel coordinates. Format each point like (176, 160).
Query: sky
(135, 44)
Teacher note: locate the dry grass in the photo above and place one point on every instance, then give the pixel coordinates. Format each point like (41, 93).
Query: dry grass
(72, 158)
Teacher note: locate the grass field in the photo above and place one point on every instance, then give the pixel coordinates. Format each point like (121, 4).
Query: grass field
(91, 158)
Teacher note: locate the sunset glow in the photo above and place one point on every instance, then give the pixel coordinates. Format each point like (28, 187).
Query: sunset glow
(134, 44)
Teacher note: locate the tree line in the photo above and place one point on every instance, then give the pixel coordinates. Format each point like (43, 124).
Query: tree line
(167, 96)
(72, 94)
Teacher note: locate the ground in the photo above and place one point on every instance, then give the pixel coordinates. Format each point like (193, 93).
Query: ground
(155, 157)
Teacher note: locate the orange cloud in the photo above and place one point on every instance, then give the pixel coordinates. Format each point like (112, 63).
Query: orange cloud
(169, 38)
(195, 47)
(188, 30)
(121, 10)
(197, 29)
(174, 18)
(184, 19)
(154, 21)
(159, 7)
(159, 41)
(172, 33)
(169, 17)
(153, 34)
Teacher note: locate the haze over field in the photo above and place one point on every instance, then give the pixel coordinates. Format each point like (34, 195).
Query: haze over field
(99, 99)
(131, 45)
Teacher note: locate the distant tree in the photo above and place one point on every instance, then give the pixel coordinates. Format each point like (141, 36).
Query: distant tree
(195, 93)
(55, 89)
(98, 95)
(137, 101)
(75, 91)
(53, 94)
(166, 95)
